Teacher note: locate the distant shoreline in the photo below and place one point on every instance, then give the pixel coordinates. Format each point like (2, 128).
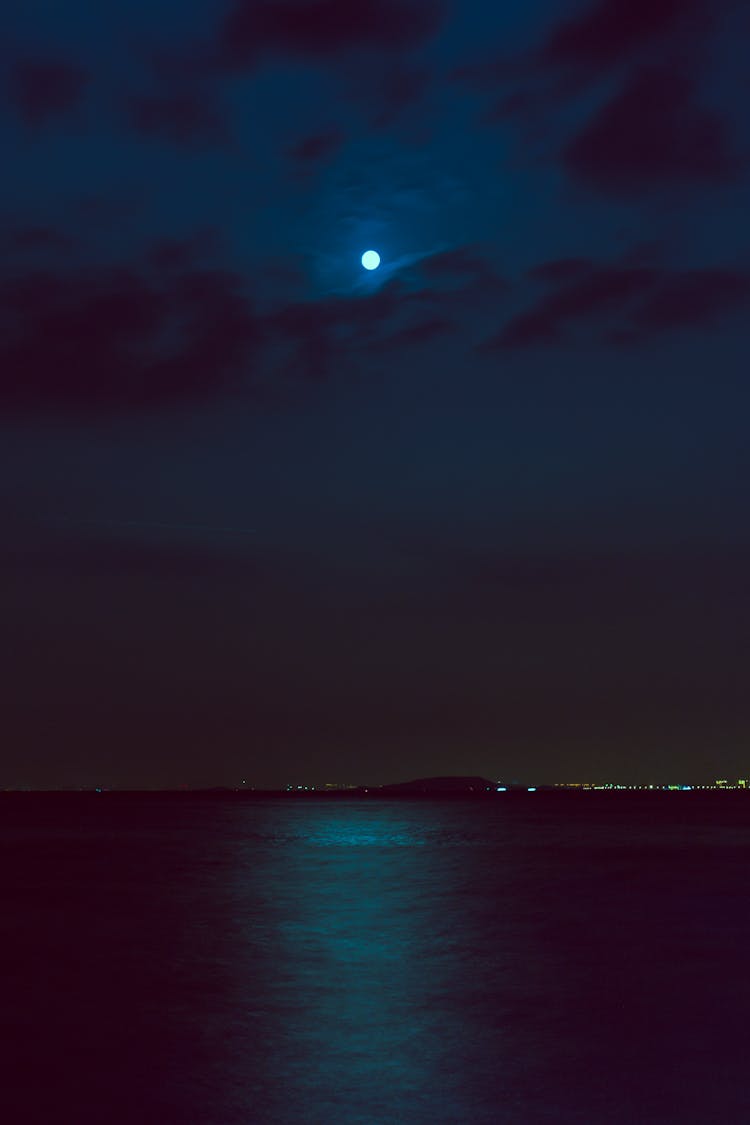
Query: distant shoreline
(377, 794)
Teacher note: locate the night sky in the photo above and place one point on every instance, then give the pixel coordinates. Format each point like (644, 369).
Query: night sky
(268, 516)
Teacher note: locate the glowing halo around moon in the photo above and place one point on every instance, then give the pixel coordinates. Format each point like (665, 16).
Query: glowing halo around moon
(371, 259)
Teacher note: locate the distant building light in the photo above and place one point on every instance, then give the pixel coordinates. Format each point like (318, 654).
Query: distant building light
(502, 789)
(531, 789)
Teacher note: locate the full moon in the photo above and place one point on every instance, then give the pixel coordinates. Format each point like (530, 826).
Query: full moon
(371, 259)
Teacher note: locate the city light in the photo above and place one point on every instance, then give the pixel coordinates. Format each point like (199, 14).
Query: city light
(724, 784)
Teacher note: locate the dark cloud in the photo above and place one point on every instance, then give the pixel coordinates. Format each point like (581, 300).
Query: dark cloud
(396, 90)
(30, 239)
(113, 339)
(185, 118)
(652, 131)
(580, 51)
(604, 289)
(615, 30)
(111, 211)
(324, 28)
(317, 147)
(283, 276)
(173, 329)
(693, 298)
(182, 253)
(74, 340)
(322, 332)
(523, 105)
(220, 337)
(644, 300)
(421, 332)
(462, 265)
(42, 89)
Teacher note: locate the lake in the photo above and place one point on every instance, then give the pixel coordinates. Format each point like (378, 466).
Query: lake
(530, 958)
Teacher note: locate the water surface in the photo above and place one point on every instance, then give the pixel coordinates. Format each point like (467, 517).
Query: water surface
(531, 959)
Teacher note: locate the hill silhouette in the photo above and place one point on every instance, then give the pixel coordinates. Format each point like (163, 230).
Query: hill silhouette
(449, 784)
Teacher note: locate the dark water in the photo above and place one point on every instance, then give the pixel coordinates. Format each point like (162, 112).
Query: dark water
(529, 960)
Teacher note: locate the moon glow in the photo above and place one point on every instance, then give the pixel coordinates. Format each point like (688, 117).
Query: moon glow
(371, 259)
